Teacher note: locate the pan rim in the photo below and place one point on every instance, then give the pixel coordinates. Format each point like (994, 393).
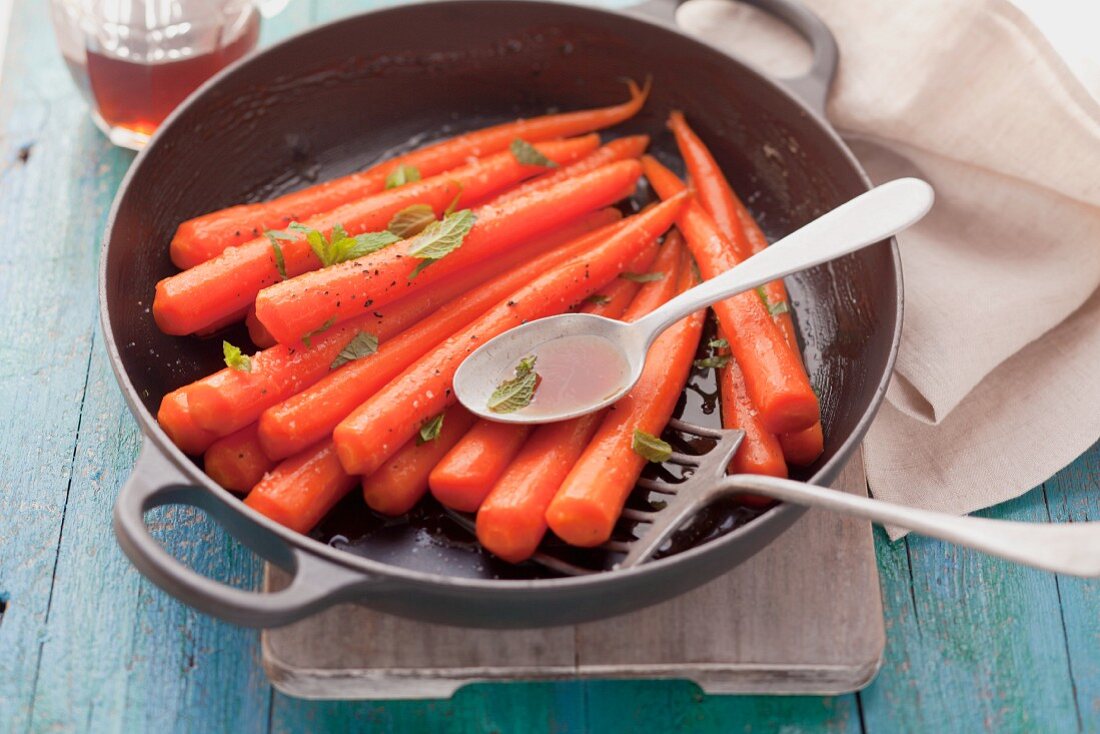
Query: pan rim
(380, 571)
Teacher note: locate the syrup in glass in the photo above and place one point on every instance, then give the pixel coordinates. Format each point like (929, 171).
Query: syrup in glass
(136, 60)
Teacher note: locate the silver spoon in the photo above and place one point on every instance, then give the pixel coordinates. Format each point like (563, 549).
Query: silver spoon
(594, 361)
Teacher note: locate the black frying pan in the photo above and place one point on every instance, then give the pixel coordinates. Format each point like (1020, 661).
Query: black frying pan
(331, 101)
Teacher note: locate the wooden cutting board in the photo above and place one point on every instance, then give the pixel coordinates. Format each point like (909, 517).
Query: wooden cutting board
(802, 616)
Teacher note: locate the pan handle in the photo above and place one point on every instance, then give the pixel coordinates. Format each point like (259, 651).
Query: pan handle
(811, 87)
(316, 582)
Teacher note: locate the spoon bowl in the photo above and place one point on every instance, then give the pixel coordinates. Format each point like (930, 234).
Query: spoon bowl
(584, 363)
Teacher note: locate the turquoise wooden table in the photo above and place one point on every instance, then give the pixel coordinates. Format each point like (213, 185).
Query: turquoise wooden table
(86, 644)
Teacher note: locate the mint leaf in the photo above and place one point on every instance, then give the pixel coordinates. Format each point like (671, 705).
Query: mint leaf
(411, 220)
(650, 448)
(598, 299)
(713, 361)
(353, 248)
(234, 359)
(642, 277)
(430, 430)
(528, 155)
(516, 392)
(363, 344)
(338, 247)
(274, 235)
(441, 238)
(401, 176)
(322, 328)
(775, 309)
(454, 202)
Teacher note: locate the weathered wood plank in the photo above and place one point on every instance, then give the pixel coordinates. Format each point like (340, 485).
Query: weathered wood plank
(119, 655)
(974, 643)
(50, 204)
(1073, 494)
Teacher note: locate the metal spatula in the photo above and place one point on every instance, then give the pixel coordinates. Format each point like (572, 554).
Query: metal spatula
(1067, 548)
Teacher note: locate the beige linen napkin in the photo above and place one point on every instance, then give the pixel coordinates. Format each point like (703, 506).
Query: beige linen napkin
(998, 379)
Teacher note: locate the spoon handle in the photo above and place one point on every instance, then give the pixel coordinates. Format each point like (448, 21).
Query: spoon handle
(869, 218)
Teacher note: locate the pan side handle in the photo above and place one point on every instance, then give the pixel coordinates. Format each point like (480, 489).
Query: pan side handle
(316, 582)
(811, 87)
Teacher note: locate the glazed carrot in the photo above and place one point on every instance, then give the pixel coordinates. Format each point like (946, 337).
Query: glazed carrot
(512, 519)
(294, 307)
(260, 336)
(216, 327)
(236, 461)
(730, 214)
(619, 149)
(175, 417)
(803, 447)
(774, 377)
(301, 490)
(742, 231)
(230, 399)
(370, 435)
(204, 237)
(760, 452)
(399, 483)
(194, 299)
(612, 300)
(465, 475)
(313, 413)
(588, 503)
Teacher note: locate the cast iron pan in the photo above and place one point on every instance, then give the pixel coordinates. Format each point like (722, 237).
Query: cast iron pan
(332, 100)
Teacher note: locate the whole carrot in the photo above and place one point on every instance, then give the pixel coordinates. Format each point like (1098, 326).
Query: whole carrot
(174, 416)
(465, 475)
(586, 507)
(294, 307)
(620, 149)
(236, 461)
(774, 377)
(399, 483)
(260, 336)
(511, 520)
(194, 299)
(730, 214)
(302, 489)
(744, 234)
(371, 434)
(759, 452)
(204, 237)
(313, 413)
(613, 299)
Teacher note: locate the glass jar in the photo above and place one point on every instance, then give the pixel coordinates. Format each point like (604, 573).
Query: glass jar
(136, 60)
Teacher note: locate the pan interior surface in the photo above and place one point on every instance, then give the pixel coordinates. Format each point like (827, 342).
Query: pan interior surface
(336, 99)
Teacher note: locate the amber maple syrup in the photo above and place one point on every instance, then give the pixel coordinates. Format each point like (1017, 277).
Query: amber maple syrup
(136, 60)
(138, 96)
